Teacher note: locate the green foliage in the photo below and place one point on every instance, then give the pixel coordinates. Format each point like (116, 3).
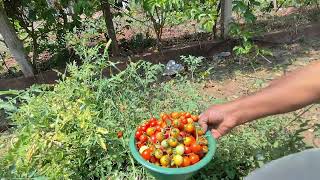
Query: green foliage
(158, 10)
(70, 131)
(192, 63)
(245, 9)
(205, 13)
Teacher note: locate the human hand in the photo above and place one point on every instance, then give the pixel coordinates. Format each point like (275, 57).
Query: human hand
(219, 119)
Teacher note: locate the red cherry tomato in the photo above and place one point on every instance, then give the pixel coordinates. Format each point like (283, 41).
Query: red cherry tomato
(138, 134)
(187, 150)
(182, 134)
(143, 138)
(153, 122)
(183, 120)
(120, 134)
(146, 154)
(139, 145)
(153, 159)
(166, 135)
(158, 128)
(153, 139)
(144, 128)
(187, 115)
(153, 119)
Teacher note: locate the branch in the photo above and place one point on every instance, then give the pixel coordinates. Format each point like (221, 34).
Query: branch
(2, 41)
(143, 22)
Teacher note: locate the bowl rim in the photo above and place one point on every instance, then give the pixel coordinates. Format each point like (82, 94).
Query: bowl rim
(175, 171)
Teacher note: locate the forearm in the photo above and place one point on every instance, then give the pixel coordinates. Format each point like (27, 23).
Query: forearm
(287, 94)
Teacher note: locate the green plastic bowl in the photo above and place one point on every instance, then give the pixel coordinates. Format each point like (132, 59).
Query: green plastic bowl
(174, 173)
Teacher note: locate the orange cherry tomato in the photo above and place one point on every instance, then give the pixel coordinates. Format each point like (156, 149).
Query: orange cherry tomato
(189, 120)
(150, 131)
(176, 123)
(175, 115)
(160, 136)
(200, 131)
(189, 128)
(194, 118)
(186, 162)
(152, 148)
(174, 132)
(196, 148)
(165, 117)
(173, 142)
(194, 158)
(162, 114)
(188, 141)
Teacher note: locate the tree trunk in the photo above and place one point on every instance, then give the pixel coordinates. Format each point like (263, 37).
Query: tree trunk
(105, 6)
(226, 13)
(214, 27)
(14, 44)
(275, 5)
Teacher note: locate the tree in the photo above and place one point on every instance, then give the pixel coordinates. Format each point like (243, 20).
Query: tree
(226, 13)
(108, 16)
(14, 44)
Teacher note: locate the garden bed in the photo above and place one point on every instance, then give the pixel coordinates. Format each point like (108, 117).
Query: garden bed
(206, 49)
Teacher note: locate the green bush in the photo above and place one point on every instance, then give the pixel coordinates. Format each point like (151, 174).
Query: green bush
(70, 130)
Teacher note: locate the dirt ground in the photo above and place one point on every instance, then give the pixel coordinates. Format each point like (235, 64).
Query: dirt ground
(233, 82)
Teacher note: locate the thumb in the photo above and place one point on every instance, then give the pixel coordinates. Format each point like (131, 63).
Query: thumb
(203, 121)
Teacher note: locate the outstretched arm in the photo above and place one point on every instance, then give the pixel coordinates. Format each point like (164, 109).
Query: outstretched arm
(289, 93)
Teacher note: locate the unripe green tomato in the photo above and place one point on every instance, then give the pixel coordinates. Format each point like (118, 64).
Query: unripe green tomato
(165, 143)
(180, 149)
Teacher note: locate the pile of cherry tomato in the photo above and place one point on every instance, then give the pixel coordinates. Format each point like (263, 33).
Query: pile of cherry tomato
(174, 140)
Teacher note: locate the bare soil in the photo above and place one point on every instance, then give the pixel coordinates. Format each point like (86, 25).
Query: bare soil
(234, 81)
